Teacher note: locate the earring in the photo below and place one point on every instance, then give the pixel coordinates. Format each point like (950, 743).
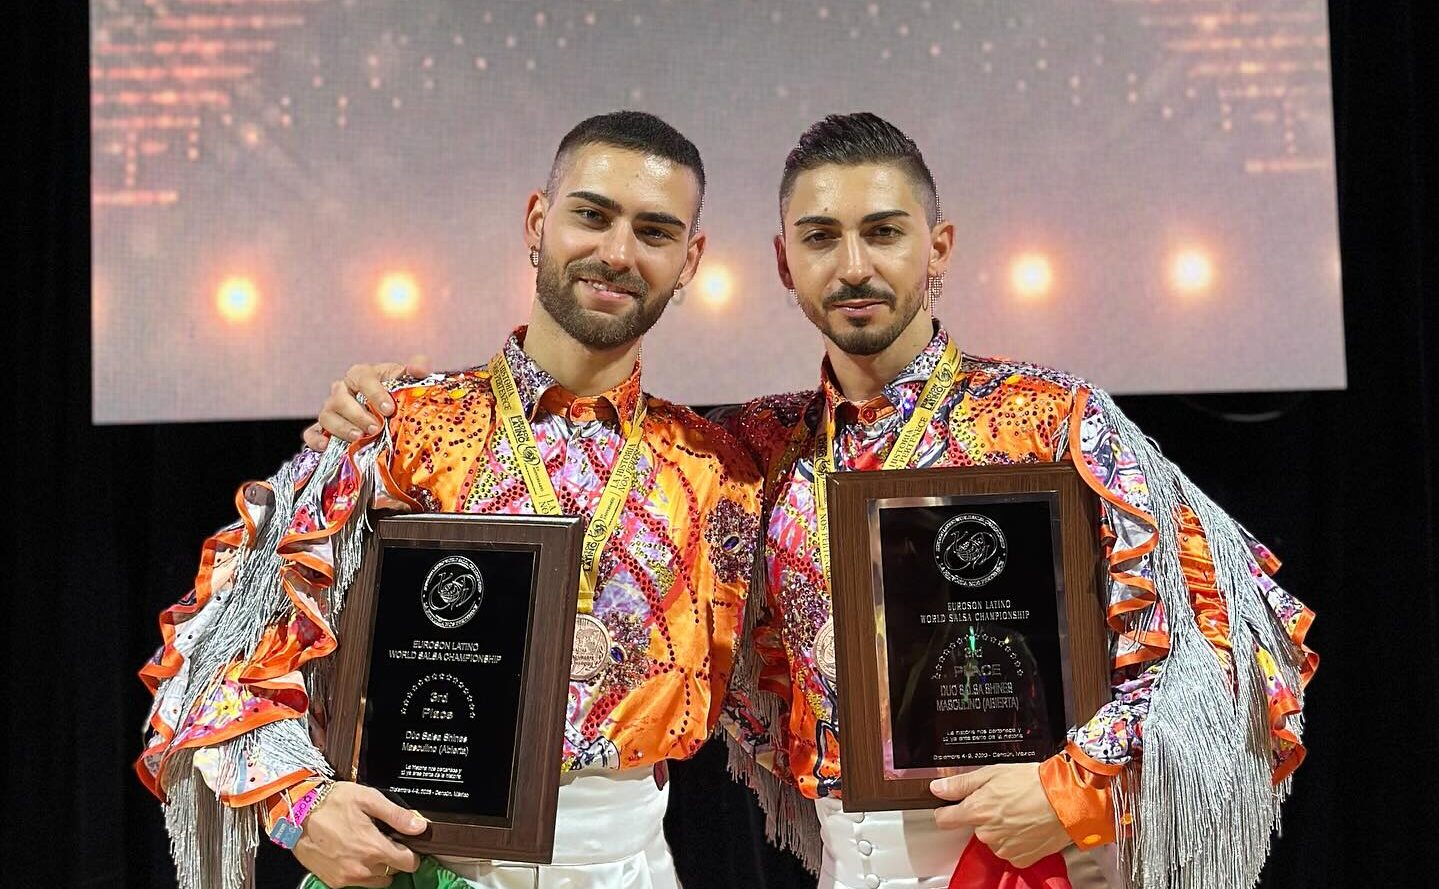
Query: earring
(794, 296)
(935, 288)
(535, 257)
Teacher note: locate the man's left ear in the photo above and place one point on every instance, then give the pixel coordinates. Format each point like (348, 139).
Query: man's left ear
(941, 247)
(694, 251)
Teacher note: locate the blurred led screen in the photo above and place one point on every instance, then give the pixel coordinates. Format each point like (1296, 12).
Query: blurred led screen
(1143, 189)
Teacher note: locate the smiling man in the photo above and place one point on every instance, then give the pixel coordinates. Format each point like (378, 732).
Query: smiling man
(228, 746)
(1153, 789)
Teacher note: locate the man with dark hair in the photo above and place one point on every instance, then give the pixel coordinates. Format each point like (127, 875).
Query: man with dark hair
(635, 131)
(1205, 645)
(228, 745)
(1169, 784)
(851, 140)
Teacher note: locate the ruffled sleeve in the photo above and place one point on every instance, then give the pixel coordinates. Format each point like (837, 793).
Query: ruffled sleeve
(237, 680)
(1205, 644)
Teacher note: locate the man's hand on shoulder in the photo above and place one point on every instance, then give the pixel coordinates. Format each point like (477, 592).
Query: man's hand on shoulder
(343, 416)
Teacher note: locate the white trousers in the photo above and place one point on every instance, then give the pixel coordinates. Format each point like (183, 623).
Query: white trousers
(609, 834)
(906, 850)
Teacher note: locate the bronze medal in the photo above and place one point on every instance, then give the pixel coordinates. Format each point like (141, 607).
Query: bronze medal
(591, 654)
(824, 651)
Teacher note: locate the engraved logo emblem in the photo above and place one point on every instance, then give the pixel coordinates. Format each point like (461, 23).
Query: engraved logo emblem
(970, 550)
(453, 591)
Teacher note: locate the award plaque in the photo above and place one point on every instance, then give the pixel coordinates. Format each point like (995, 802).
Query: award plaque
(452, 674)
(968, 628)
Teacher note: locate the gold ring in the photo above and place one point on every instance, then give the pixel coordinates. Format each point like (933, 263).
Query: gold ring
(388, 871)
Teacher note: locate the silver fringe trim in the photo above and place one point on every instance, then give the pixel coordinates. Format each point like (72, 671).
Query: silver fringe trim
(1206, 808)
(744, 674)
(214, 844)
(790, 820)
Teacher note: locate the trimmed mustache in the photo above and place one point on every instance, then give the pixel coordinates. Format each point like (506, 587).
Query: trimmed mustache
(595, 271)
(855, 292)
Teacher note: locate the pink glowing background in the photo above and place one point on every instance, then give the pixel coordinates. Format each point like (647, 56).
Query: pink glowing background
(1144, 191)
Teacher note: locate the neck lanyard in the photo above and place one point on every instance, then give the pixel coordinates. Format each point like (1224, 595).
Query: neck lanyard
(936, 389)
(602, 525)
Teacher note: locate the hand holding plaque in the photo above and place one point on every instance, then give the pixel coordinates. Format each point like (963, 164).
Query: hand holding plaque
(968, 626)
(1006, 807)
(452, 678)
(343, 844)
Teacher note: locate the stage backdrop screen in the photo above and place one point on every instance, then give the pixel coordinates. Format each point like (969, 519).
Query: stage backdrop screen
(1143, 189)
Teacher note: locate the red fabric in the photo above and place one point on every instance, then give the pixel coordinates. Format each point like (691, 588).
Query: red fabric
(980, 868)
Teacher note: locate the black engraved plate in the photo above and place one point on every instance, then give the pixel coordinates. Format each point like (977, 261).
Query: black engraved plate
(443, 695)
(969, 626)
(969, 596)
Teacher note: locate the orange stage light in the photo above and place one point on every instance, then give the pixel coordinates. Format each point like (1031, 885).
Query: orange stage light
(1031, 275)
(237, 298)
(716, 284)
(1191, 270)
(398, 295)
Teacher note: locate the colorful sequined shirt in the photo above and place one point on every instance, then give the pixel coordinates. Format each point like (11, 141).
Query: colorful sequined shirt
(998, 412)
(671, 588)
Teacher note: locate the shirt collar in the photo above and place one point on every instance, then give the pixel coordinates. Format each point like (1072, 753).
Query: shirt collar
(899, 394)
(539, 391)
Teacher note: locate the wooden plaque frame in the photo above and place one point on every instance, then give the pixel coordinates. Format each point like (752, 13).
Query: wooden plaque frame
(544, 681)
(857, 594)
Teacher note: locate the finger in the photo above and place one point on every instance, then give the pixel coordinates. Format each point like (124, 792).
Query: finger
(418, 366)
(338, 426)
(355, 874)
(398, 857)
(315, 437)
(957, 787)
(343, 403)
(369, 380)
(955, 817)
(406, 821)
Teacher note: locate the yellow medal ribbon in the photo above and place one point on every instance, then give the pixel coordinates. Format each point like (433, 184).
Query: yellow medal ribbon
(936, 389)
(516, 428)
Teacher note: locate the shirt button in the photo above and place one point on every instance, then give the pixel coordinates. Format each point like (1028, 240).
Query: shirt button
(872, 881)
(865, 847)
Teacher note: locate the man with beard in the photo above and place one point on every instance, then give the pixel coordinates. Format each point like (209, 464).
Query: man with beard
(1205, 645)
(612, 236)
(1178, 780)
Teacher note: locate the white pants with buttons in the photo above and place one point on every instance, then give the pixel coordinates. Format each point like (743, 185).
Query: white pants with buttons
(609, 834)
(905, 850)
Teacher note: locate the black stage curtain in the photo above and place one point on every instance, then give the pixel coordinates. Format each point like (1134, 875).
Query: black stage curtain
(1340, 483)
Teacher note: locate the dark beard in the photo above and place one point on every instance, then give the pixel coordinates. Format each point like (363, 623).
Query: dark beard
(868, 339)
(555, 289)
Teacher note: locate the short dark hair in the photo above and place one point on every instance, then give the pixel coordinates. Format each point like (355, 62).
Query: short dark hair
(635, 131)
(861, 138)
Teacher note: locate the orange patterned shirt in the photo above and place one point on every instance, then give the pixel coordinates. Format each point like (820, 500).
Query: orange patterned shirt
(997, 412)
(671, 587)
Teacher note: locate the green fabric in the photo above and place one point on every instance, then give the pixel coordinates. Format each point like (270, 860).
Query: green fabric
(429, 876)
